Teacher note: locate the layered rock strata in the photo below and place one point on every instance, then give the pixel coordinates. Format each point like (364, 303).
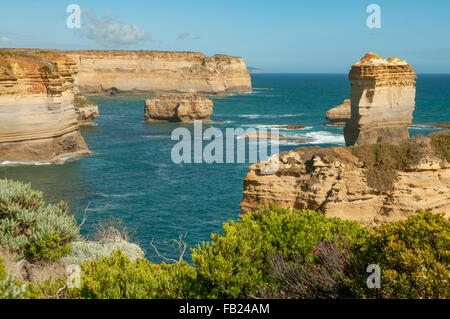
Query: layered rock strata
(335, 182)
(111, 72)
(178, 107)
(340, 114)
(37, 116)
(382, 100)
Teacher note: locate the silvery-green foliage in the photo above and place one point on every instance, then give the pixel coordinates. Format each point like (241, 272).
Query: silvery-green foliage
(25, 219)
(94, 250)
(10, 288)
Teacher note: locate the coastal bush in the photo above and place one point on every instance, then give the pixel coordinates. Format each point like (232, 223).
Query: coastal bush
(29, 228)
(110, 235)
(94, 250)
(336, 274)
(237, 264)
(414, 256)
(117, 277)
(441, 144)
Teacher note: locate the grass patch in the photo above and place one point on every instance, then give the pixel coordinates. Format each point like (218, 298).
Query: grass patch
(383, 161)
(441, 144)
(46, 69)
(81, 101)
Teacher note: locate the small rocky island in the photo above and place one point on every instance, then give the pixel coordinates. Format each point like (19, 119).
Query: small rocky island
(339, 115)
(178, 107)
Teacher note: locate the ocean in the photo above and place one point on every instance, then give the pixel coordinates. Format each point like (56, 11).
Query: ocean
(133, 178)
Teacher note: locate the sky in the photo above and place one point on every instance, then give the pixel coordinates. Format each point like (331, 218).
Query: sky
(279, 36)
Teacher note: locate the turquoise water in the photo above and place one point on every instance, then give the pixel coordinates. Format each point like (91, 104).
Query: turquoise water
(132, 176)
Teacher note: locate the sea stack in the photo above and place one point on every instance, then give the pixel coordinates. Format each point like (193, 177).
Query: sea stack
(382, 100)
(178, 107)
(37, 116)
(340, 114)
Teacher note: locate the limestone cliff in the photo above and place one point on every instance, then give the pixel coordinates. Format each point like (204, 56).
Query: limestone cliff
(340, 114)
(382, 100)
(341, 184)
(178, 107)
(156, 71)
(37, 116)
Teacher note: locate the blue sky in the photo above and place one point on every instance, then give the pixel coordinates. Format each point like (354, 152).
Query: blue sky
(322, 36)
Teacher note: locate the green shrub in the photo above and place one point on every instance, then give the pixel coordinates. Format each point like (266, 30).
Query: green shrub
(237, 264)
(414, 256)
(46, 69)
(30, 228)
(118, 277)
(49, 248)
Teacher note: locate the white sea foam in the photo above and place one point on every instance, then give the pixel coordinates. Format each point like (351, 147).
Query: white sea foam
(9, 163)
(268, 116)
(323, 137)
(120, 195)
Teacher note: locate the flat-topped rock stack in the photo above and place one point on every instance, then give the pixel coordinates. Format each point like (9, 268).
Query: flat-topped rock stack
(178, 107)
(382, 100)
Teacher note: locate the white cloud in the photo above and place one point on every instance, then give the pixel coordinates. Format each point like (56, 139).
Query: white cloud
(4, 39)
(109, 32)
(184, 36)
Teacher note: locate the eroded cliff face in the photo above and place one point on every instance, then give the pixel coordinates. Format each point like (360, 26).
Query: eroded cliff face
(178, 107)
(382, 100)
(154, 71)
(335, 182)
(37, 116)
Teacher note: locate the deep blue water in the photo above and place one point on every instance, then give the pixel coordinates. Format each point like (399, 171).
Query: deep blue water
(132, 176)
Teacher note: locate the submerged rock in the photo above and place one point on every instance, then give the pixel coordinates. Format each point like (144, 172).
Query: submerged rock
(178, 107)
(292, 127)
(263, 136)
